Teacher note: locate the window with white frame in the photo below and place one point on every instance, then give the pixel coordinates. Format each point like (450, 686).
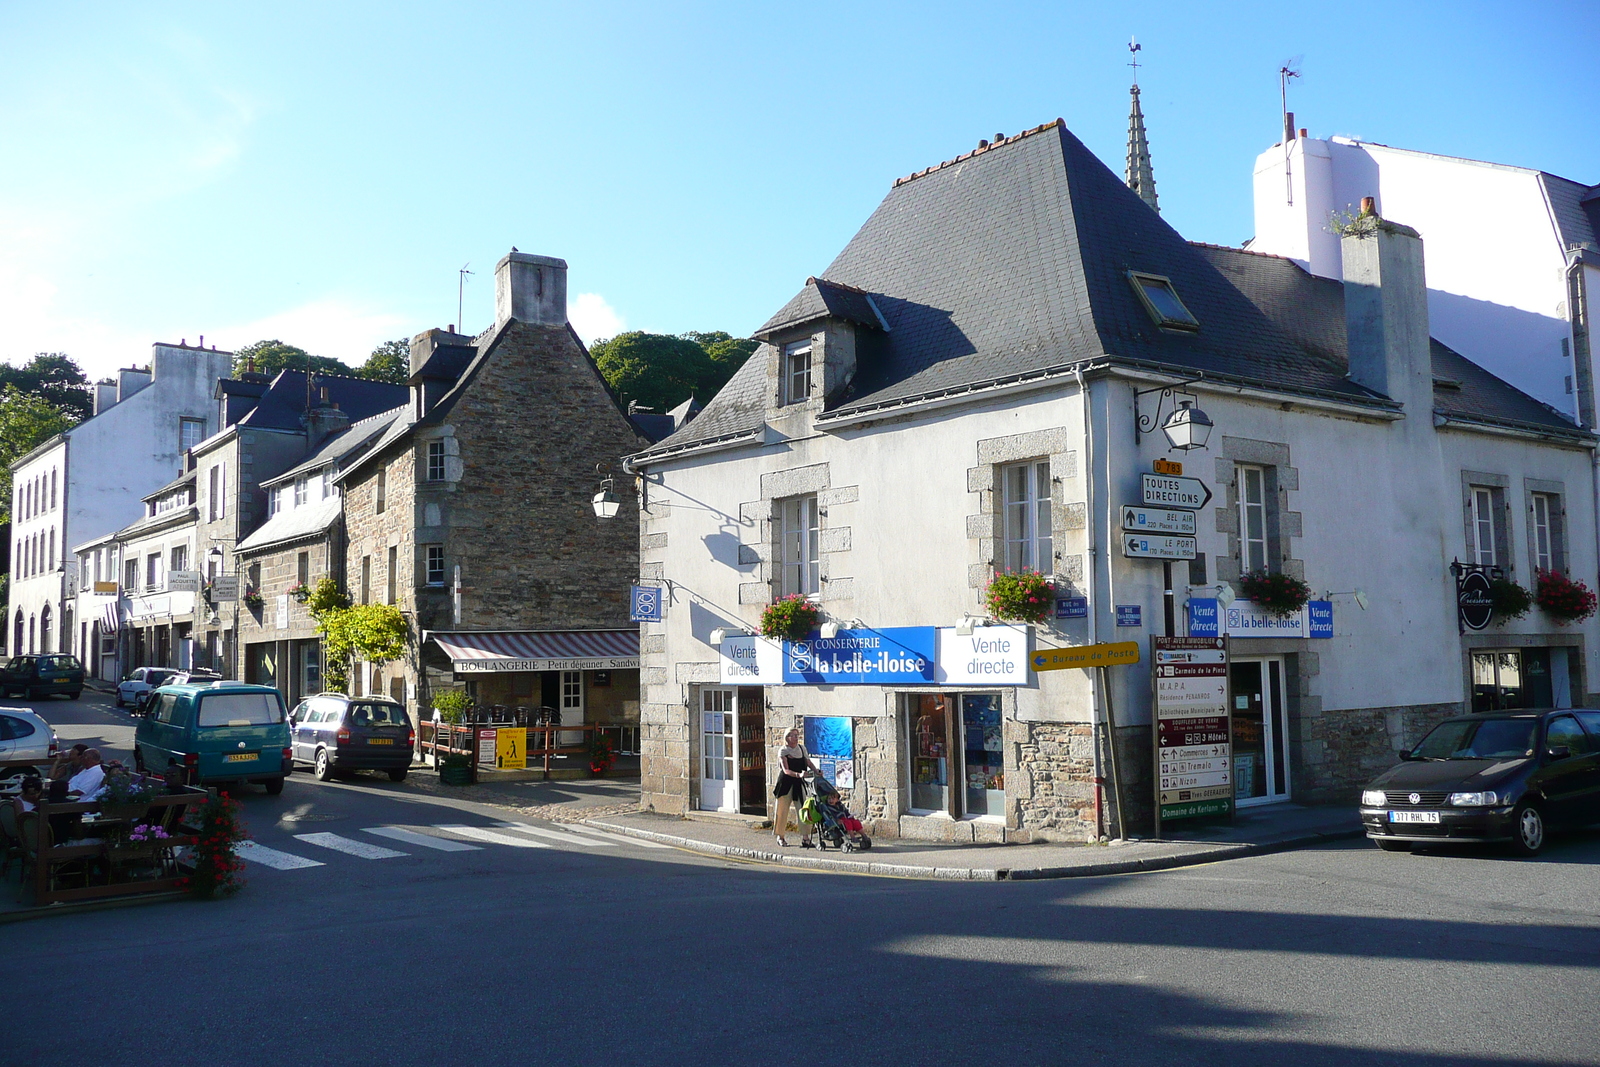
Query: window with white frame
(152, 571)
(572, 693)
(130, 575)
(190, 433)
(1028, 543)
(433, 569)
(1483, 516)
(327, 482)
(1548, 543)
(435, 461)
(274, 502)
(1253, 554)
(796, 372)
(180, 558)
(299, 492)
(798, 532)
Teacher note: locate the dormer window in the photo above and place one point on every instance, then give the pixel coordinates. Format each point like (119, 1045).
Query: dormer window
(797, 372)
(299, 492)
(1161, 300)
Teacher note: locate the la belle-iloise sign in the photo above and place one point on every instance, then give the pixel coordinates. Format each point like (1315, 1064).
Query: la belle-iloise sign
(892, 655)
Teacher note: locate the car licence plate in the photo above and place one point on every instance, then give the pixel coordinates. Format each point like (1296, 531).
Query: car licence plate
(241, 757)
(63, 681)
(1413, 816)
(380, 740)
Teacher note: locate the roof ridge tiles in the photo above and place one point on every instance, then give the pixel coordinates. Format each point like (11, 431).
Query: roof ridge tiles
(1242, 251)
(983, 146)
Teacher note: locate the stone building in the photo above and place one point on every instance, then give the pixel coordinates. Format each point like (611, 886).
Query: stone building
(978, 384)
(89, 481)
(472, 513)
(301, 543)
(160, 581)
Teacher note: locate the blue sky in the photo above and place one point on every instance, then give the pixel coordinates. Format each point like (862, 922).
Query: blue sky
(318, 172)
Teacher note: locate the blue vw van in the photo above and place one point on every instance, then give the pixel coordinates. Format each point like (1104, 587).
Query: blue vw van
(219, 733)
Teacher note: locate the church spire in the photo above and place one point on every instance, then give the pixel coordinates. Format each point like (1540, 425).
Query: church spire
(1141, 177)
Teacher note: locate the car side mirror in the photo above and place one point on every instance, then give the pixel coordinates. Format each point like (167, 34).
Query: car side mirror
(1558, 751)
(1404, 754)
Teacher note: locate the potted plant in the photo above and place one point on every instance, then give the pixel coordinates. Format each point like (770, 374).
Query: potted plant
(124, 795)
(216, 863)
(602, 753)
(452, 705)
(252, 599)
(1276, 592)
(1020, 596)
(1562, 598)
(300, 591)
(792, 618)
(1511, 600)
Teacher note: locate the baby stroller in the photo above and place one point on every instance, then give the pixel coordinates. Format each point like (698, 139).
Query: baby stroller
(836, 827)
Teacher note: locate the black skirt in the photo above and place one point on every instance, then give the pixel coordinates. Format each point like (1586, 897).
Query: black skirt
(790, 786)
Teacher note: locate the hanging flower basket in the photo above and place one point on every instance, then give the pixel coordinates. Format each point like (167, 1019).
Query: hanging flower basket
(253, 600)
(1023, 596)
(1276, 592)
(1563, 599)
(1511, 601)
(790, 619)
(300, 591)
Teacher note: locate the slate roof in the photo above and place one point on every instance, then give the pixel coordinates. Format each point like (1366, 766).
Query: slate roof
(1576, 210)
(821, 299)
(304, 521)
(1311, 310)
(1013, 260)
(284, 403)
(342, 445)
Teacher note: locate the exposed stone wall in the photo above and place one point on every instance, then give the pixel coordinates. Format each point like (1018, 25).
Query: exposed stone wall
(280, 572)
(1052, 794)
(1335, 753)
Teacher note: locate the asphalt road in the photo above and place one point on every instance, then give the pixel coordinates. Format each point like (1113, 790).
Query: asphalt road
(479, 949)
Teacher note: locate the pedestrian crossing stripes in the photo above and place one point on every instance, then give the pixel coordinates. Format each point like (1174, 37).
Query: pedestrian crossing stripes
(442, 837)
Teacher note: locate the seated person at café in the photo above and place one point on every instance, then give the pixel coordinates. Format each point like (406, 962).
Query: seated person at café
(68, 763)
(86, 783)
(32, 793)
(63, 825)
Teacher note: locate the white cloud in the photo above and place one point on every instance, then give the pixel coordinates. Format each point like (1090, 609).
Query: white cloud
(593, 318)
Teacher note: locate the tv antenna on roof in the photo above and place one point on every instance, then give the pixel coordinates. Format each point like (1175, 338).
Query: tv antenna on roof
(1134, 47)
(1290, 69)
(461, 288)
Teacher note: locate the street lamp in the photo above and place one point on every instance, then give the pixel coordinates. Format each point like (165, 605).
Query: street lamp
(1188, 427)
(605, 501)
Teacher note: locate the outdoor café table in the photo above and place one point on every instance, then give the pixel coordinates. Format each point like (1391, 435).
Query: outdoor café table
(45, 891)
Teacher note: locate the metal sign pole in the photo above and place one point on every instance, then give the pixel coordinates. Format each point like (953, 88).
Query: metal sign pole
(1111, 734)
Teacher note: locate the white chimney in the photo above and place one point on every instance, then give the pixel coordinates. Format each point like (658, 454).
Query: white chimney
(1386, 312)
(530, 289)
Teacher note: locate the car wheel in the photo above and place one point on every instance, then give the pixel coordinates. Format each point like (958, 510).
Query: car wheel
(1392, 846)
(398, 774)
(1527, 829)
(75, 694)
(323, 766)
(274, 786)
(120, 702)
(138, 760)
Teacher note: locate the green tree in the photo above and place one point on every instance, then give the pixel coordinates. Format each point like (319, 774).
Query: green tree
(56, 378)
(389, 362)
(661, 371)
(27, 420)
(273, 356)
(375, 633)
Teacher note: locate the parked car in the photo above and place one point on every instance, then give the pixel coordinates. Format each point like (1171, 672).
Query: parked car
(24, 735)
(1502, 776)
(198, 675)
(38, 676)
(336, 733)
(219, 733)
(142, 680)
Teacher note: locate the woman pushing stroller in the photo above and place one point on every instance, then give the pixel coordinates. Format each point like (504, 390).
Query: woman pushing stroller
(793, 765)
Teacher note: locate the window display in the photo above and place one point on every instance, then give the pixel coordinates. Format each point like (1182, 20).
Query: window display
(928, 723)
(955, 739)
(985, 762)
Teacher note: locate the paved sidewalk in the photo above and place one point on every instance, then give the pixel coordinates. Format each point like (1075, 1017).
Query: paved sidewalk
(1254, 831)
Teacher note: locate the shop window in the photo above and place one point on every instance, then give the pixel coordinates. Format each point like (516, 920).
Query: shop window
(1548, 535)
(796, 372)
(798, 532)
(955, 754)
(435, 461)
(1497, 681)
(1486, 526)
(1028, 542)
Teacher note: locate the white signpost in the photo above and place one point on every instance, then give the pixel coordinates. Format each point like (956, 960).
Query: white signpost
(1164, 490)
(1158, 520)
(1158, 546)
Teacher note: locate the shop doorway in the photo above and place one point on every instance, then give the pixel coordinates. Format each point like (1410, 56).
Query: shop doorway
(752, 751)
(1260, 732)
(719, 779)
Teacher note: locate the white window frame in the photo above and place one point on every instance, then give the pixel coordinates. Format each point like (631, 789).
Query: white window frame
(1544, 548)
(1255, 554)
(799, 531)
(327, 482)
(179, 558)
(152, 570)
(300, 491)
(797, 372)
(433, 555)
(1029, 540)
(185, 422)
(435, 461)
(1485, 549)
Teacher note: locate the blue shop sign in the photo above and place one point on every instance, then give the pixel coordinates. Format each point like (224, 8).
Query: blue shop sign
(1130, 615)
(894, 655)
(644, 603)
(1203, 615)
(1319, 618)
(1207, 618)
(1072, 607)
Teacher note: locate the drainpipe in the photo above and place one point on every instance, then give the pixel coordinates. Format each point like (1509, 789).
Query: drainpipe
(1094, 597)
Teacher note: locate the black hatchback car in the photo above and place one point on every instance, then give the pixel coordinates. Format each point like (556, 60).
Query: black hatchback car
(336, 733)
(37, 676)
(1502, 776)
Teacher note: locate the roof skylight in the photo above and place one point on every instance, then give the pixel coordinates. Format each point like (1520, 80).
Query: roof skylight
(1161, 300)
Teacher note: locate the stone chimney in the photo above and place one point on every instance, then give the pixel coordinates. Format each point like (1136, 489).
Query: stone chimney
(324, 420)
(1386, 312)
(530, 289)
(438, 358)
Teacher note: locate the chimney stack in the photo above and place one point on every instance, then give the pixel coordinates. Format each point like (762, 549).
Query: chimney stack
(1386, 312)
(530, 289)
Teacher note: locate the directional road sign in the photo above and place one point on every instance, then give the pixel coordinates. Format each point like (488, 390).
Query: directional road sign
(1161, 490)
(1158, 520)
(1159, 546)
(1107, 655)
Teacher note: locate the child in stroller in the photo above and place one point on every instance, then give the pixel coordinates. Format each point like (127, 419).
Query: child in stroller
(837, 828)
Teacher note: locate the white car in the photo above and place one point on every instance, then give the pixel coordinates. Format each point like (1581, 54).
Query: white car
(25, 736)
(140, 682)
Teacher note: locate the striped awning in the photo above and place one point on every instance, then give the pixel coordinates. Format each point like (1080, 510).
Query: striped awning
(482, 651)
